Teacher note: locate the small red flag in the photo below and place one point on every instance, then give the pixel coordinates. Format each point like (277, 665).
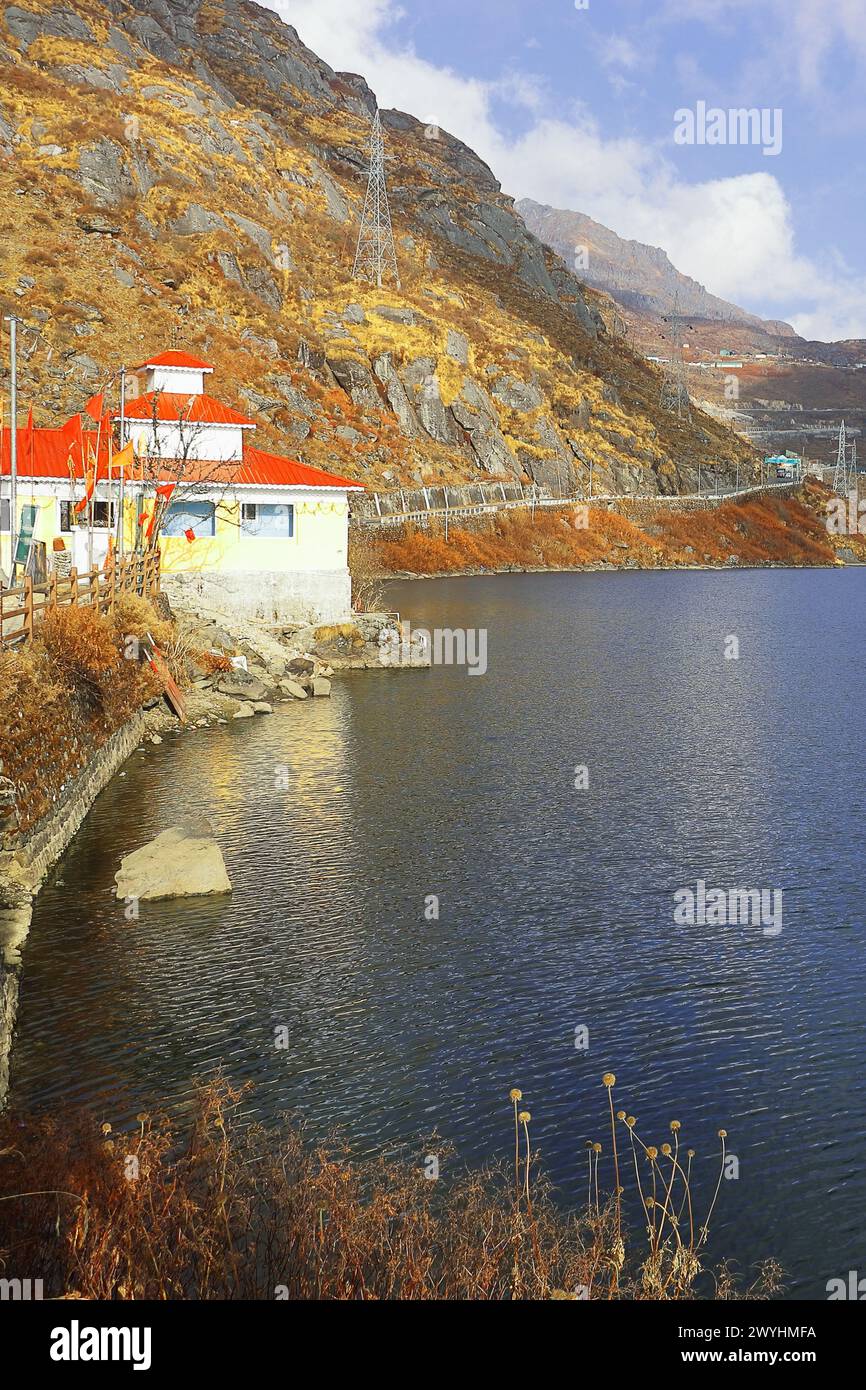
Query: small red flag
(94, 407)
(190, 534)
(142, 518)
(165, 490)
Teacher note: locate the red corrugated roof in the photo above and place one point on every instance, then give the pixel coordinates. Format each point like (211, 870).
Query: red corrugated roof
(44, 454)
(196, 410)
(261, 469)
(175, 359)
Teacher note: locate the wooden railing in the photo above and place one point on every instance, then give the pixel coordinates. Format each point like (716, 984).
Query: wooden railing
(23, 607)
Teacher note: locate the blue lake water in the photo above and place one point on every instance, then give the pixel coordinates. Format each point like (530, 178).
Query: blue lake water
(555, 904)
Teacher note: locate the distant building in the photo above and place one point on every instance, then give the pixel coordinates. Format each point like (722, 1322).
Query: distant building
(246, 530)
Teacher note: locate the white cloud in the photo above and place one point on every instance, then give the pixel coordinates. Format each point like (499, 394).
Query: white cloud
(735, 235)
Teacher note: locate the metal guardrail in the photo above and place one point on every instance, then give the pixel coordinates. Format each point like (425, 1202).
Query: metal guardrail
(492, 506)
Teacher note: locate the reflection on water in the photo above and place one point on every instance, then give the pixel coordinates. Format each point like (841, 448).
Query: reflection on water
(555, 904)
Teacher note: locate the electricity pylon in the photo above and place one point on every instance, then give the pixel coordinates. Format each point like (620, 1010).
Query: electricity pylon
(840, 477)
(375, 257)
(675, 392)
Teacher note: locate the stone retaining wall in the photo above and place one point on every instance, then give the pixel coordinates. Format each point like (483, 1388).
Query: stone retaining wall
(25, 860)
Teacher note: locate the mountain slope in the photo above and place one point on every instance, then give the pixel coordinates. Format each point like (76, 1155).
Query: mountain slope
(187, 172)
(638, 276)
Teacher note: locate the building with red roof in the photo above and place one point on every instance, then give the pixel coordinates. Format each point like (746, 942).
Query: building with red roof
(240, 528)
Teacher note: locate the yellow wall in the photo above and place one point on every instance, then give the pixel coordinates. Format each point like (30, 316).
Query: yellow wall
(319, 543)
(47, 521)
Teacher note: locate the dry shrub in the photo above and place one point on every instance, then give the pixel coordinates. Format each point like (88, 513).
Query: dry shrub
(229, 1211)
(213, 662)
(61, 698)
(82, 646)
(136, 617)
(366, 569)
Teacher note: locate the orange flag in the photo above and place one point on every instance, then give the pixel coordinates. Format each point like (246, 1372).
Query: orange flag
(124, 458)
(95, 407)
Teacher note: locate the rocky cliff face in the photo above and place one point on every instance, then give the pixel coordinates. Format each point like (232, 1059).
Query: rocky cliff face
(187, 172)
(638, 276)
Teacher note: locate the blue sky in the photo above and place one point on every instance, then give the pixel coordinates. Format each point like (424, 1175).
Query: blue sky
(575, 106)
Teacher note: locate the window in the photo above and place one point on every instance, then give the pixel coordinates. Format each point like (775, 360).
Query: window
(4, 513)
(199, 517)
(271, 520)
(70, 519)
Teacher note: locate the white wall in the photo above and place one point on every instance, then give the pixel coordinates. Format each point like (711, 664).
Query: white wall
(222, 443)
(181, 381)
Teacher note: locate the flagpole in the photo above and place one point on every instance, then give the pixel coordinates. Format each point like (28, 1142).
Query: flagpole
(13, 445)
(120, 523)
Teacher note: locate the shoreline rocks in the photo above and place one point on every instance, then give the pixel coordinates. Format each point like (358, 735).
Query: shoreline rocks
(184, 862)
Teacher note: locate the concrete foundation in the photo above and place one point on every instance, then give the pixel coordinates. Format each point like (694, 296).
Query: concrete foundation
(319, 596)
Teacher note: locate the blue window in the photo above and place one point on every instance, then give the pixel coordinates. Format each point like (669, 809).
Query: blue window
(271, 520)
(199, 517)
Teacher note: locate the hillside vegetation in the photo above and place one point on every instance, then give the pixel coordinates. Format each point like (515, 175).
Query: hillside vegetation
(190, 174)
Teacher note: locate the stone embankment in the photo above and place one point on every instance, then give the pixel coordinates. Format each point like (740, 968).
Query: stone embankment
(234, 671)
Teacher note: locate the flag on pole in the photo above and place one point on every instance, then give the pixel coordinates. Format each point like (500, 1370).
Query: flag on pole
(95, 407)
(190, 534)
(124, 458)
(31, 441)
(165, 490)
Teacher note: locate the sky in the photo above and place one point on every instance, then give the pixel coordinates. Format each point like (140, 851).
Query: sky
(579, 104)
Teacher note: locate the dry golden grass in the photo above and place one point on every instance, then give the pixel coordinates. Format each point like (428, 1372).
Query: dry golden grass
(65, 694)
(765, 530)
(225, 1211)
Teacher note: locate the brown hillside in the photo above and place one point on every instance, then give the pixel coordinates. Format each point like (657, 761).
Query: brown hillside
(190, 174)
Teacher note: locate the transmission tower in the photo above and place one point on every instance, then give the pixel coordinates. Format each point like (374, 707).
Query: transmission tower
(375, 257)
(675, 392)
(840, 477)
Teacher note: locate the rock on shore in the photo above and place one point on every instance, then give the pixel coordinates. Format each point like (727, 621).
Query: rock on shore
(184, 862)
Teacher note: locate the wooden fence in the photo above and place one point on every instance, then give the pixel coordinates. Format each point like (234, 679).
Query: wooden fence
(23, 607)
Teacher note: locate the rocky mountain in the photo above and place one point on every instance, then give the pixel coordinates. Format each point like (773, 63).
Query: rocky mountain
(187, 173)
(639, 277)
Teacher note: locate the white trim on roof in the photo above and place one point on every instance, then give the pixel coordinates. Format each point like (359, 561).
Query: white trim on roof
(169, 367)
(185, 420)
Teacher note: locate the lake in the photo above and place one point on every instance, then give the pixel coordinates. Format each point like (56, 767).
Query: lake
(555, 955)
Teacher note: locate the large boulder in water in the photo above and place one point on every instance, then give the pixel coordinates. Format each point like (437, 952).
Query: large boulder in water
(184, 862)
